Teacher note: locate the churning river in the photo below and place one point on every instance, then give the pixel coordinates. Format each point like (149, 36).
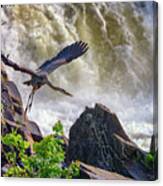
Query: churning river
(117, 70)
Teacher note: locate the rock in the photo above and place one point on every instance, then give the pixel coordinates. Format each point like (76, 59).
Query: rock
(13, 116)
(15, 96)
(154, 145)
(97, 138)
(6, 102)
(35, 131)
(154, 152)
(12, 106)
(100, 174)
(12, 110)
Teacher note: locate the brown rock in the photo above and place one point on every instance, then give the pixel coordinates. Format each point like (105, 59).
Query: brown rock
(100, 174)
(12, 109)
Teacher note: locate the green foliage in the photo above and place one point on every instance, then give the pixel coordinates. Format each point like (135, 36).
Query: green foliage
(58, 129)
(46, 162)
(149, 160)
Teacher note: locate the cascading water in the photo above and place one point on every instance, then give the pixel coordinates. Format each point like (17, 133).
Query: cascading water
(116, 71)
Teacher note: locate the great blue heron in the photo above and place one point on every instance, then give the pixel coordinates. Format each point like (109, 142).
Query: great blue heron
(40, 76)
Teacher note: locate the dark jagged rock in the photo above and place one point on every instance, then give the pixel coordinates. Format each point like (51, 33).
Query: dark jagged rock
(154, 145)
(154, 152)
(97, 138)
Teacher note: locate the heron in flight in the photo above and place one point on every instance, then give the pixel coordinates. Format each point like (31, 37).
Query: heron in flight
(40, 76)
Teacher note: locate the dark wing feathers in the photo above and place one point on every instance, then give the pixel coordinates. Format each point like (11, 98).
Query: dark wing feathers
(73, 51)
(66, 55)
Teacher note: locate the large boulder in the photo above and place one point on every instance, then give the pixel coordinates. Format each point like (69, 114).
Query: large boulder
(97, 138)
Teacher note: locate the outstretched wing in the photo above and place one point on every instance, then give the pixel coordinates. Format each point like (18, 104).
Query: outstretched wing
(65, 56)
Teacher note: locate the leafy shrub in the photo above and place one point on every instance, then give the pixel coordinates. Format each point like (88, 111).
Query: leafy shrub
(47, 160)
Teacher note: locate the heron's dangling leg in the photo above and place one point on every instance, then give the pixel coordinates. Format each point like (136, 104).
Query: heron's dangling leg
(30, 100)
(58, 89)
(28, 134)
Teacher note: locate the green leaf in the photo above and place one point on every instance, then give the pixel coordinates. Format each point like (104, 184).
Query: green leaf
(45, 162)
(58, 128)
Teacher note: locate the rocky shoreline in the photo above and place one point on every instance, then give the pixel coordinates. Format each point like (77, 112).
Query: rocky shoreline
(97, 140)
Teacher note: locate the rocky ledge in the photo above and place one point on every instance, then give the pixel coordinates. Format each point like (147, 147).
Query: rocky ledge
(97, 140)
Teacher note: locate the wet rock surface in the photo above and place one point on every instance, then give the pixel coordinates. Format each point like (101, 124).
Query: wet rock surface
(97, 138)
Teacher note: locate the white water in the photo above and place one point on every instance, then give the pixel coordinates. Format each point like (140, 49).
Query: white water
(116, 71)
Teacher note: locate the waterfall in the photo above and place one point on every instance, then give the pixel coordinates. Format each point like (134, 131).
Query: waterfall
(117, 70)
